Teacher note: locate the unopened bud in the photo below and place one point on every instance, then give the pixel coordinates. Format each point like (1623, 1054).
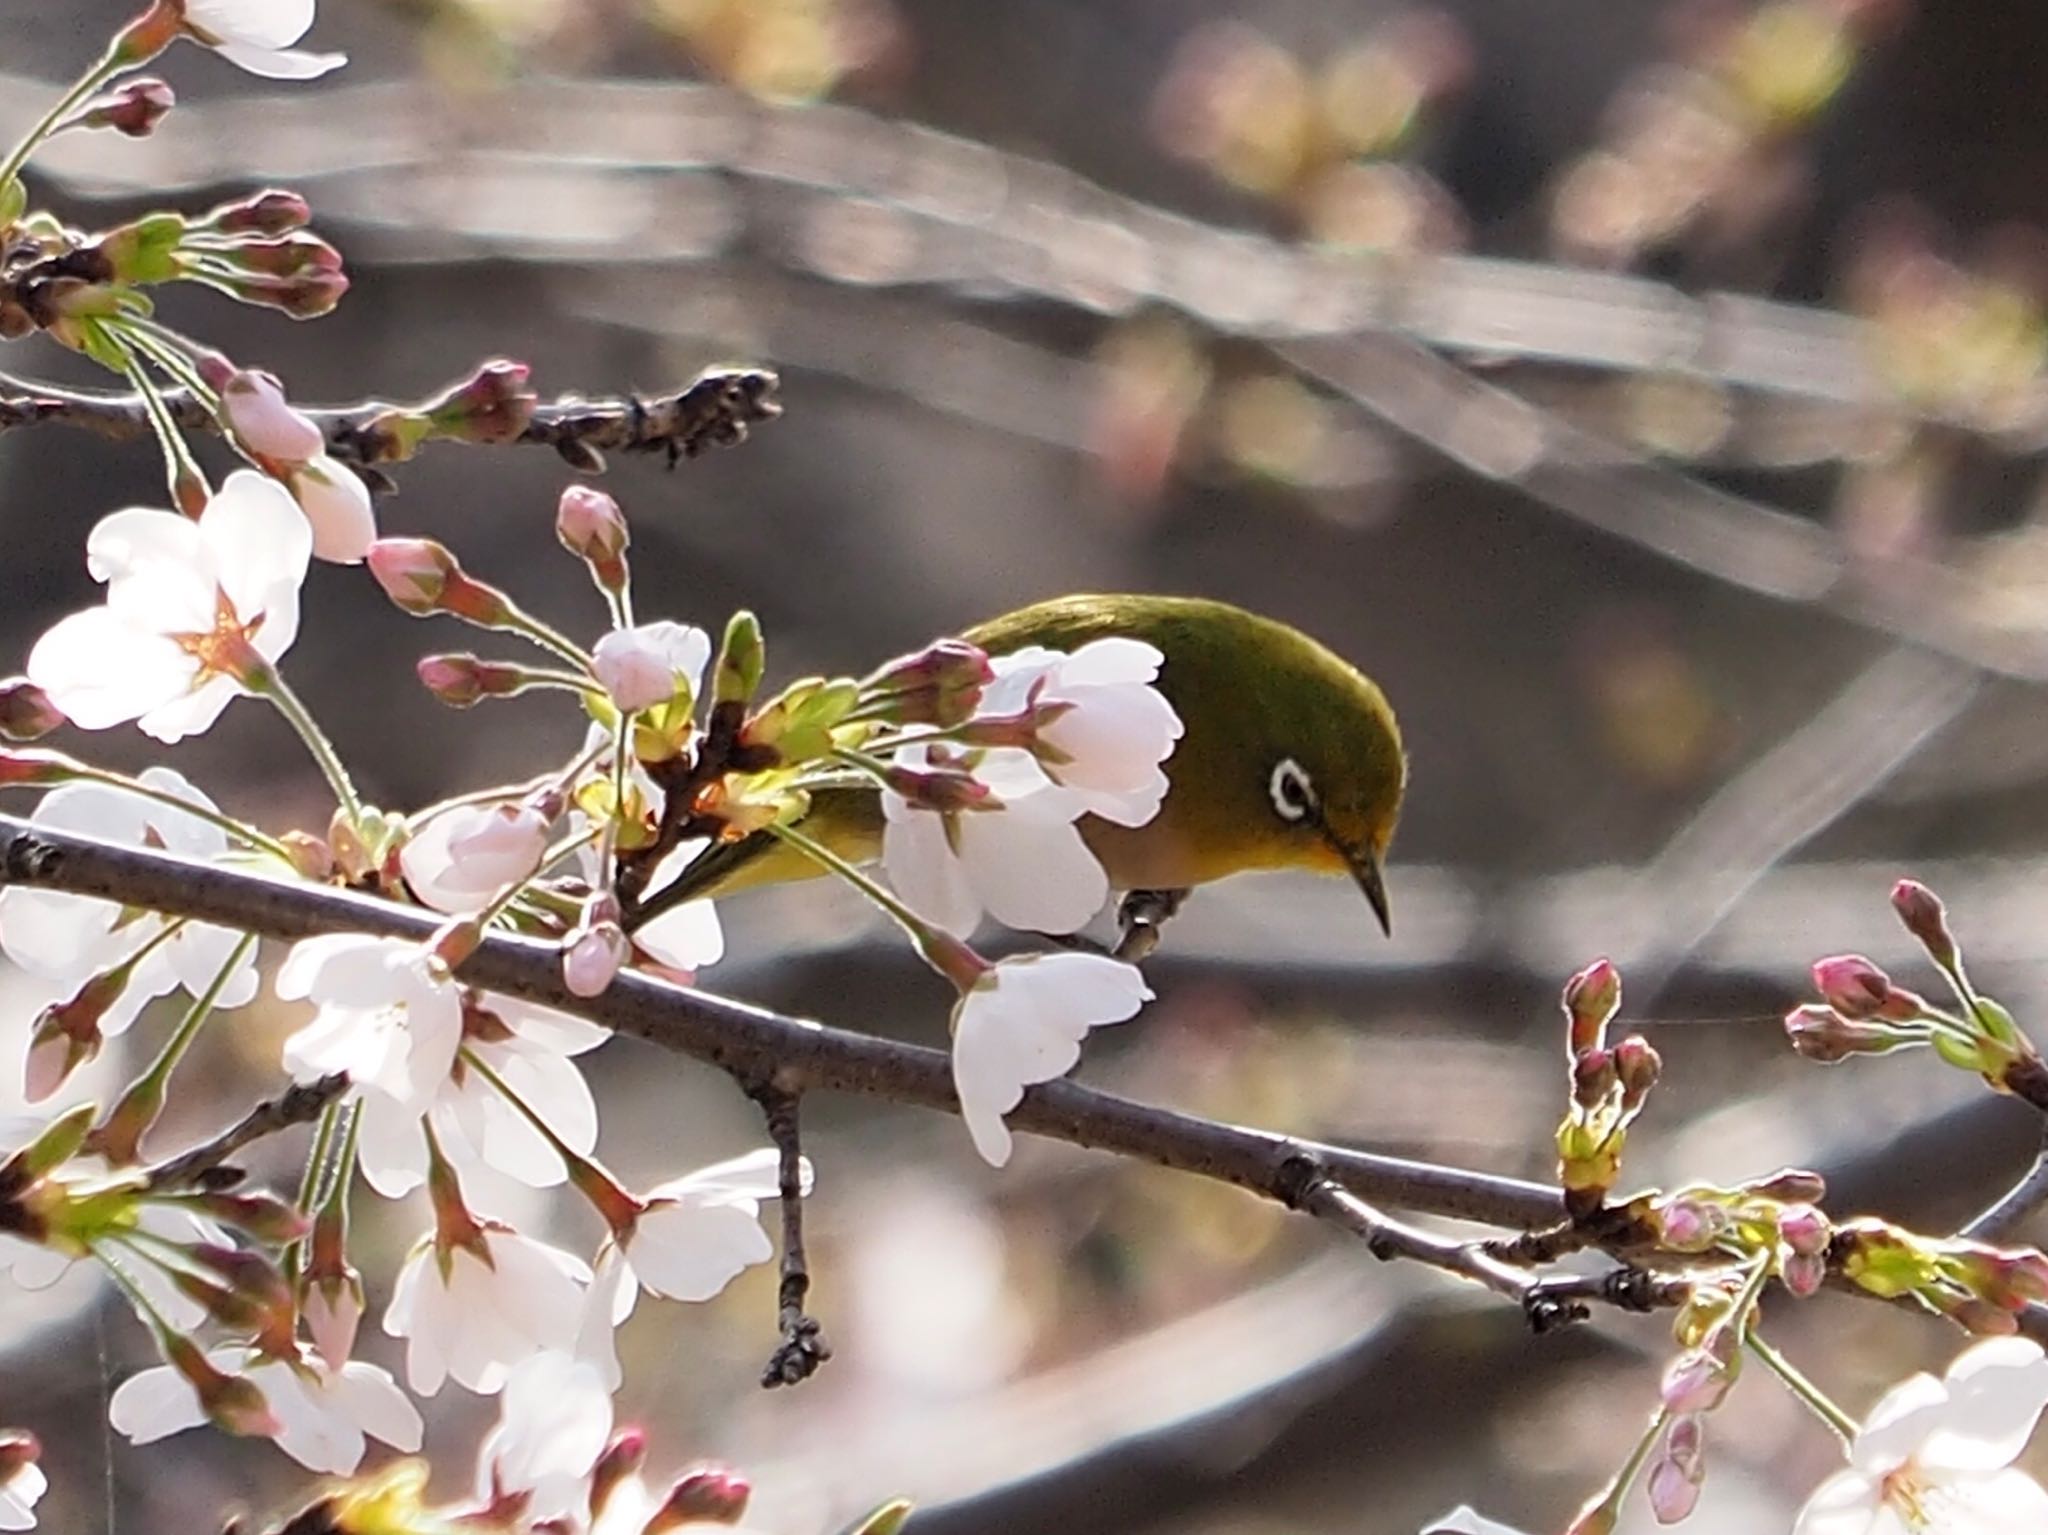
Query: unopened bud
(1920, 909)
(1790, 1185)
(1805, 1230)
(940, 685)
(31, 768)
(230, 1402)
(591, 957)
(422, 577)
(269, 212)
(333, 1310)
(68, 1034)
(715, 1495)
(742, 659)
(460, 680)
(1689, 1225)
(1803, 1273)
(946, 790)
(1591, 998)
(1676, 1474)
(264, 422)
(1638, 1065)
(492, 405)
(133, 108)
(1696, 1381)
(1593, 1077)
(1821, 1034)
(1852, 985)
(591, 526)
(265, 1217)
(26, 713)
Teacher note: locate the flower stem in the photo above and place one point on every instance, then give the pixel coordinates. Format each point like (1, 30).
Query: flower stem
(1817, 1401)
(270, 684)
(110, 64)
(138, 1108)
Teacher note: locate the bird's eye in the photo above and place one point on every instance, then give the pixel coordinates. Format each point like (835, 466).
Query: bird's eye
(1294, 797)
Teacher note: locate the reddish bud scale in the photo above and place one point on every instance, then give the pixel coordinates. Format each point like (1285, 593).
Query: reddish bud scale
(714, 1495)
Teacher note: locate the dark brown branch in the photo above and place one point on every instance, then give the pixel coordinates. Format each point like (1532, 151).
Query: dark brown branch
(715, 410)
(299, 1104)
(803, 1346)
(754, 1045)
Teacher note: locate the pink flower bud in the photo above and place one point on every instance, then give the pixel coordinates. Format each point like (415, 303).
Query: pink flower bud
(1803, 1273)
(460, 680)
(134, 108)
(337, 503)
(1921, 911)
(333, 1309)
(1695, 1381)
(940, 685)
(1821, 1034)
(32, 767)
(1690, 1225)
(1591, 998)
(591, 957)
(650, 664)
(269, 212)
(26, 713)
(946, 790)
(1638, 1065)
(230, 1402)
(1790, 1185)
(591, 527)
(1852, 985)
(1674, 1491)
(492, 405)
(265, 423)
(414, 572)
(1805, 1230)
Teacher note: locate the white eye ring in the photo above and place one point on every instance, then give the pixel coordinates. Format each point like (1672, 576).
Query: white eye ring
(1294, 797)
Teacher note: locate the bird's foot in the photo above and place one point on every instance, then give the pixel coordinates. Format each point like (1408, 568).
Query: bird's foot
(1139, 920)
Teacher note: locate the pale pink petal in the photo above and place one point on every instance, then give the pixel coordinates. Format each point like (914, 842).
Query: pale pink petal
(922, 869)
(154, 1404)
(259, 23)
(100, 671)
(1899, 1424)
(1996, 1390)
(280, 63)
(689, 1251)
(1847, 1503)
(1032, 873)
(257, 540)
(338, 507)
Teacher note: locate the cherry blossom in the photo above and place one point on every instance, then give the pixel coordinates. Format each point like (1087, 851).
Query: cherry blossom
(474, 1315)
(1084, 734)
(195, 612)
(651, 664)
(1024, 864)
(323, 1417)
(22, 1482)
(257, 35)
(1112, 727)
(391, 1018)
(69, 938)
(554, 1420)
(1022, 1022)
(462, 858)
(695, 1233)
(265, 422)
(1938, 1454)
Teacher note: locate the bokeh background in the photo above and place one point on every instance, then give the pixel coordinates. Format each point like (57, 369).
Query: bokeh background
(1650, 396)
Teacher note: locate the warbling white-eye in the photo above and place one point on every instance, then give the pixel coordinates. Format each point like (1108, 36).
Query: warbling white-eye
(1291, 760)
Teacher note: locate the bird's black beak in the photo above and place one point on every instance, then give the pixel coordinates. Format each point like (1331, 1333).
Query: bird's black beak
(1365, 868)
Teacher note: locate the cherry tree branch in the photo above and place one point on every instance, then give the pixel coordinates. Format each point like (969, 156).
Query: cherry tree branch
(754, 1045)
(714, 410)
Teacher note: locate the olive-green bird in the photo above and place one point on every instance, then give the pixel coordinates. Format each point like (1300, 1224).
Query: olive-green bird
(1291, 760)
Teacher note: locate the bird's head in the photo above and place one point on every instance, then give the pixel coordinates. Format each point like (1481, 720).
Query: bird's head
(1327, 753)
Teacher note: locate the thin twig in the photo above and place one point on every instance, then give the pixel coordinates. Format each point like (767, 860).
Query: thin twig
(715, 410)
(803, 1346)
(299, 1104)
(2007, 1212)
(1547, 1302)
